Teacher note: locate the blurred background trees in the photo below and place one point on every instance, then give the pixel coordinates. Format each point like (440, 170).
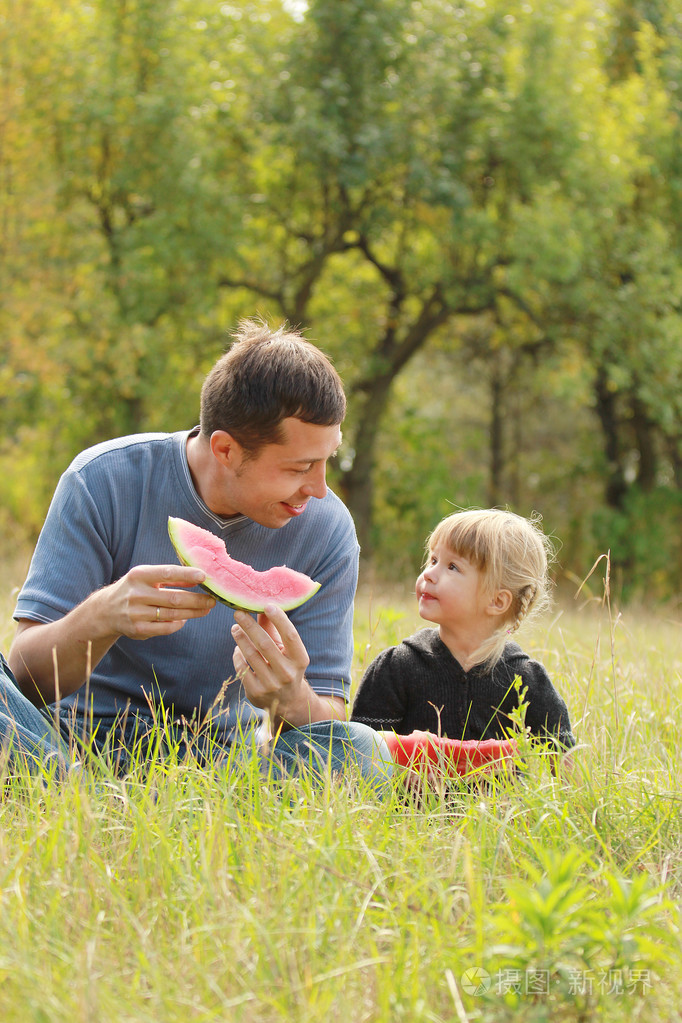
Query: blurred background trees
(475, 208)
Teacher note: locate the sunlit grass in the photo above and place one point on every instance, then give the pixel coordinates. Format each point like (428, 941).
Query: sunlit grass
(184, 894)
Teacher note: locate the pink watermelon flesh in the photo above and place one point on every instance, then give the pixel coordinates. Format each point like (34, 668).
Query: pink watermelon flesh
(234, 583)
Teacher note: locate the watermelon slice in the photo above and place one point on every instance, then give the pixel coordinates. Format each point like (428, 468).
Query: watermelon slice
(450, 756)
(232, 582)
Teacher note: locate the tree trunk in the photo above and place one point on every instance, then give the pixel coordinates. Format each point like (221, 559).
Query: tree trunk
(644, 435)
(495, 484)
(605, 399)
(390, 356)
(357, 483)
(674, 449)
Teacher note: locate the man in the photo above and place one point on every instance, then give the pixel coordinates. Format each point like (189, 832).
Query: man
(114, 630)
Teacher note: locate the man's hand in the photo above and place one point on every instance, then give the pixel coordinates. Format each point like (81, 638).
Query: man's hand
(145, 602)
(270, 659)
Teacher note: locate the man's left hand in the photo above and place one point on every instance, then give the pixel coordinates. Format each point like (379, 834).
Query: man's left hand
(271, 660)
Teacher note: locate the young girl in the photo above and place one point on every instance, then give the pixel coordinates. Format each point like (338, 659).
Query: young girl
(485, 573)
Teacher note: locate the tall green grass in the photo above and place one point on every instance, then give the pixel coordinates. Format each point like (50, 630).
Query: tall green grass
(178, 893)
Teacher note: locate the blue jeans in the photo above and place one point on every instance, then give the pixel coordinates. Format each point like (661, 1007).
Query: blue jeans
(329, 747)
(44, 737)
(27, 734)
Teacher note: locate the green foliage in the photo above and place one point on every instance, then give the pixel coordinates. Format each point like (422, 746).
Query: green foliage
(556, 919)
(485, 196)
(643, 558)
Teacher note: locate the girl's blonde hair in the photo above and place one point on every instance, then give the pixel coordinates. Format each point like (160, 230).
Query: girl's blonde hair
(512, 553)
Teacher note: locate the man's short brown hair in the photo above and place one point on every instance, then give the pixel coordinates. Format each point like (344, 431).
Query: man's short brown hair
(267, 376)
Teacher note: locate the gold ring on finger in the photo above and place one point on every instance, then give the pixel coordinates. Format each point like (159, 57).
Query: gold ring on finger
(158, 614)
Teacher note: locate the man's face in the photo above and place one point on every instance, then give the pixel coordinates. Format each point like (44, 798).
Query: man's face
(276, 484)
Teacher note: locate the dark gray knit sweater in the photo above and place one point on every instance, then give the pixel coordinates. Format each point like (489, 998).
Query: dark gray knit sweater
(420, 685)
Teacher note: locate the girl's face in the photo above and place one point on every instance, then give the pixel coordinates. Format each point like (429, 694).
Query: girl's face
(451, 590)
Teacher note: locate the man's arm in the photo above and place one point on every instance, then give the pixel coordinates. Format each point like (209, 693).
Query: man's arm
(53, 658)
(270, 659)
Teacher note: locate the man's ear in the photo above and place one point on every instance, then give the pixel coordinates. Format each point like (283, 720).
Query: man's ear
(225, 448)
(500, 602)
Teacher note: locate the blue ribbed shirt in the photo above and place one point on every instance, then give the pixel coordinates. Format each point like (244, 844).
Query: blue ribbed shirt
(110, 512)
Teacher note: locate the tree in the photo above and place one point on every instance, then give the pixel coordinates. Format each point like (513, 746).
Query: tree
(397, 147)
(475, 209)
(111, 222)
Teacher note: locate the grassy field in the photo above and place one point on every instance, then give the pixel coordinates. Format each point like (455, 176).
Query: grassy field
(180, 894)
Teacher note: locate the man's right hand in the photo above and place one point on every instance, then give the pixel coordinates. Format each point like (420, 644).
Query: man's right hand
(150, 600)
(145, 602)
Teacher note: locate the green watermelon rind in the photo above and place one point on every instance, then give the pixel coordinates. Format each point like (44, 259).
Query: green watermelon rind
(230, 600)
